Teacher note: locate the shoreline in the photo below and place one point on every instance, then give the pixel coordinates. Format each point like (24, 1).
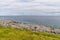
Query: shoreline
(34, 27)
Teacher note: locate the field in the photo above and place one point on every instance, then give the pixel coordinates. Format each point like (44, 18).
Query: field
(11, 33)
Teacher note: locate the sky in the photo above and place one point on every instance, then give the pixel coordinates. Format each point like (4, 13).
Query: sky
(30, 7)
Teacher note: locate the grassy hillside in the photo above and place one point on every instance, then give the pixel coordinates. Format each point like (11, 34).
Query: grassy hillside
(10, 33)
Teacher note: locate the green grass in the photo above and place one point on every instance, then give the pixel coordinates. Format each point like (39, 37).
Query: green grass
(10, 33)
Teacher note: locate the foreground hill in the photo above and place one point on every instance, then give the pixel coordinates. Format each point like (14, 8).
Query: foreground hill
(12, 33)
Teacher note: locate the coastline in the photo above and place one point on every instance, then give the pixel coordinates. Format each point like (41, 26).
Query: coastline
(42, 20)
(34, 27)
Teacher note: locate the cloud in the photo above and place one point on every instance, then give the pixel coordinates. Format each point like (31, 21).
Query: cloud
(25, 0)
(29, 7)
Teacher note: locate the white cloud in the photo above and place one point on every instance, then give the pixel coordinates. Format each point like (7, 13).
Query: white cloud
(30, 7)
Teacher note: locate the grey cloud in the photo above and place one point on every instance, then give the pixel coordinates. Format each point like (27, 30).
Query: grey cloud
(25, 0)
(29, 7)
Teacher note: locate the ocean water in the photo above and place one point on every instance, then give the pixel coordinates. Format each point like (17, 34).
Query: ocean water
(42, 20)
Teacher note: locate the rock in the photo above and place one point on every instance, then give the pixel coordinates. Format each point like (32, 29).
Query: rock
(33, 27)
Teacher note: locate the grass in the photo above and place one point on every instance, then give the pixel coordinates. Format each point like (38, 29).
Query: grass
(11, 33)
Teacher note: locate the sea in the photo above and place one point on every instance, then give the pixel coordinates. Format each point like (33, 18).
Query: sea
(41, 20)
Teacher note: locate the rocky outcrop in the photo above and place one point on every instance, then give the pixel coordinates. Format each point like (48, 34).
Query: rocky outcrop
(33, 27)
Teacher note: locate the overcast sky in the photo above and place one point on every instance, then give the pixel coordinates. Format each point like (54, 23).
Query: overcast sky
(30, 7)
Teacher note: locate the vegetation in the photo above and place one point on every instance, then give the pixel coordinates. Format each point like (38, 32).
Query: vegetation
(11, 33)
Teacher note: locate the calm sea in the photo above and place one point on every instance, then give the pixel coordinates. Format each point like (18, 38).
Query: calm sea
(43, 20)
